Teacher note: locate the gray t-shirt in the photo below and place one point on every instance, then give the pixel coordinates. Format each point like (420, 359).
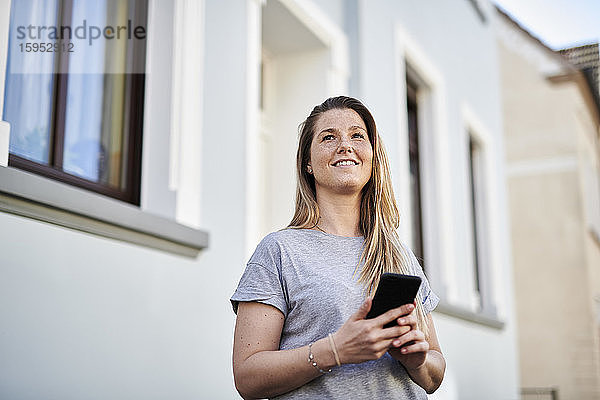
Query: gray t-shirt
(310, 277)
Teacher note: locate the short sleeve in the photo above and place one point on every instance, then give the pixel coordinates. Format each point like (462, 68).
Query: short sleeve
(428, 298)
(262, 285)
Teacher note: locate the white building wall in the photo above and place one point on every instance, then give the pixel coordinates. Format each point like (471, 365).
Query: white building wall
(85, 317)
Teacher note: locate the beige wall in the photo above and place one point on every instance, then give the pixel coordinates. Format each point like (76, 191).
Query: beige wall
(548, 130)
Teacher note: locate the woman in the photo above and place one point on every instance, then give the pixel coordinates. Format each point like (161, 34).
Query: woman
(301, 303)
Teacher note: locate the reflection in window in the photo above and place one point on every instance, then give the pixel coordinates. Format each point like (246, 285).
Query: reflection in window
(29, 84)
(93, 147)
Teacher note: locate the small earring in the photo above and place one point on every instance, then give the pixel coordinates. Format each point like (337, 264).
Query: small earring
(309, 169)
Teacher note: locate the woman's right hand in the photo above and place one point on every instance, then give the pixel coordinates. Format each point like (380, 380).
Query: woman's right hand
(361, 339)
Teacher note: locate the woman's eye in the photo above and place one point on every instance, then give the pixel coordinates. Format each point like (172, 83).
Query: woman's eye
(327, 137)
(359, 135)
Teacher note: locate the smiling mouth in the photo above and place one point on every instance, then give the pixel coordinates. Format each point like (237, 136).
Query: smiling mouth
(345, 163)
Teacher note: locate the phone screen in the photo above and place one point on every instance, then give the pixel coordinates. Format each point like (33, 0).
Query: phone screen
(394, 290)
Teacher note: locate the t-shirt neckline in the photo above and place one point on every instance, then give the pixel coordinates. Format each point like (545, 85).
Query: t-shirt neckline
(331, 235)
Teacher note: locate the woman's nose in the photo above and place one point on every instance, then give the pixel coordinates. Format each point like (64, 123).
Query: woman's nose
(345, 146)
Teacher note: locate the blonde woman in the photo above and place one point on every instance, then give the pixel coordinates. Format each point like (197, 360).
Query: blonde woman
(301, 303)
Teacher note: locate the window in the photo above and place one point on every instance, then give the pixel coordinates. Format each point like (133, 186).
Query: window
(74, 92)
(475, 192)
(480, 266)
(480, 225)
(415, 172)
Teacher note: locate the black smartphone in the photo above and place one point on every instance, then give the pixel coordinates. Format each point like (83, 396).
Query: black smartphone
(394, 290)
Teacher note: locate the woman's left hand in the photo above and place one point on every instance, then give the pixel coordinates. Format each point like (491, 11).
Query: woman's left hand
(412, 347)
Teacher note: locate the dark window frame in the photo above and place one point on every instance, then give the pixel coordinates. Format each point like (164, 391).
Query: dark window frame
(478, 11)
(474, 188)
(415, 170)
(134, 100)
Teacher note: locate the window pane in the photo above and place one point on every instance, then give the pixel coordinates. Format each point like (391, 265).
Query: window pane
(29, 80)
(83, 152)
(474, 159)
(415, 173)
(95, 134)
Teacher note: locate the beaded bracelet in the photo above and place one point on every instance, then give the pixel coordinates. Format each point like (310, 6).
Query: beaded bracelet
(311, 359)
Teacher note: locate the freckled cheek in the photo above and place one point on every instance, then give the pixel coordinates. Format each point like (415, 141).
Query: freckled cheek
(368, 164)
(365, 154)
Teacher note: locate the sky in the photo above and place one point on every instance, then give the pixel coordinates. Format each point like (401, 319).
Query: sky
(557, 23)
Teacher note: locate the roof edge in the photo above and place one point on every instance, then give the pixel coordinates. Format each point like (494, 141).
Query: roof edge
(572, 73)
(554, 53)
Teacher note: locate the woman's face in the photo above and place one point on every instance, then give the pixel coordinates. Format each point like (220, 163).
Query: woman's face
(341, 155)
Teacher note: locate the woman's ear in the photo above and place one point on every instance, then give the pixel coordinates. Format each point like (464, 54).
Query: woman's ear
(309, 169)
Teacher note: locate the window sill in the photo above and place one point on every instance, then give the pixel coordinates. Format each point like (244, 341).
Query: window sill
(468, 315)
(43, 199)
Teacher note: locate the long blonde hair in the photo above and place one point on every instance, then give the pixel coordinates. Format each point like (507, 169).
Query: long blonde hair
(379, 217)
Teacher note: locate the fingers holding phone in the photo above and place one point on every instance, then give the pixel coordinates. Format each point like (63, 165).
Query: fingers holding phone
(408, 320)
(409, 323)
(390, 317)
(412, 346)
(359, 339)
(410, 349)
(390, 321)
(394, 303)
(371, 331)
